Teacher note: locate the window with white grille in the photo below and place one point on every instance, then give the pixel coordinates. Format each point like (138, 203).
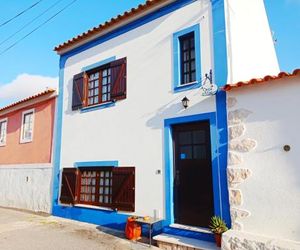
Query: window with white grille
(3, 132)
(27, 126)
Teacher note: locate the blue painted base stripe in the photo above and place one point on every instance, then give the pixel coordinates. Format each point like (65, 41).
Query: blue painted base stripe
(109, 219)
(189, 234)
(114, 220)
(104, 218)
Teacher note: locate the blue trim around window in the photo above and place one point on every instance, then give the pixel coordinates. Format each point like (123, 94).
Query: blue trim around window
(97, 107)
(96, 164)
(102, 105)
(98, 64)
(177, 86)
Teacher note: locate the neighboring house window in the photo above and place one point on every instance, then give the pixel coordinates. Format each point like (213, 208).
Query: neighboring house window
(27, 126)
(187, 61)
(111, 187)
(3, 132)
(104, 84)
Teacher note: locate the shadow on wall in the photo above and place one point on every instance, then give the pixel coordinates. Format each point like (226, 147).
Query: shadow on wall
(175, 109)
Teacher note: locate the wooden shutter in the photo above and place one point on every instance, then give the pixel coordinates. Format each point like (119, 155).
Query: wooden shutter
(123, 188)
(68, 186)
(78, 91)
(118, 75)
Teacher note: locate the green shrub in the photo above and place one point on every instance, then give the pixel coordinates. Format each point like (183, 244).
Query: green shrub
(217, 225)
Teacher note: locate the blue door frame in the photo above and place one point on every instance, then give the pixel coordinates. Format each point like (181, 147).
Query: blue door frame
(221, 204)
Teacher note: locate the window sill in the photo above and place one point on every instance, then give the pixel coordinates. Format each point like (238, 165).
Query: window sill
(96, 107)
(25, 141)
(95, 207)
(187, 86)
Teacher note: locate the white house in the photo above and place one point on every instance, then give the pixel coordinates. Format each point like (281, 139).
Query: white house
(125, 144)
(263, 165)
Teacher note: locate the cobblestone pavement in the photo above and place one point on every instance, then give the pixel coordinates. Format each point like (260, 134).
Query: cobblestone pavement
(24, 231)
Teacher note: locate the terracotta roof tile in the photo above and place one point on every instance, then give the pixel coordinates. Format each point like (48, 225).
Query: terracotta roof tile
(263, 80)
(108, 24)
(46, 92)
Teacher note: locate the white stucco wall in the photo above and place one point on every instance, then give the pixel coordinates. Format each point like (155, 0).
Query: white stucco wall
(132, 131)
(268, 203)
(26, 187)
(250, 47)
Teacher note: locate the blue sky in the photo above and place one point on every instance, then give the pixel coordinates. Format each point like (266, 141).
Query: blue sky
(34, 60)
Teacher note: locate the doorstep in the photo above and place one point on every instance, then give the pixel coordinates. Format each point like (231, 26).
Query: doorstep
(170, 242)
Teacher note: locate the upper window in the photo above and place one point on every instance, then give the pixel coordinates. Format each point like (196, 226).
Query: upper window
(187, 61)
(187, 55)
(104, 84)
(27, 126)
(99, 86)
(3, 131)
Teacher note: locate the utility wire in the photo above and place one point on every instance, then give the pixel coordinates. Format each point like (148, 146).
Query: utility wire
(30, 22)
(38, 27)
(19, 14)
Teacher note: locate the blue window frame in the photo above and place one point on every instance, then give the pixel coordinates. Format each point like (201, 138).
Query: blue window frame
(187, 59)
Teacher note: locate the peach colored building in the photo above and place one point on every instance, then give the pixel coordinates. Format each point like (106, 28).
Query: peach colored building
(26, 139)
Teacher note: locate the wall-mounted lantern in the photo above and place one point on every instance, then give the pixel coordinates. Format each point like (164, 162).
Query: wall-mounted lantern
(185, 102)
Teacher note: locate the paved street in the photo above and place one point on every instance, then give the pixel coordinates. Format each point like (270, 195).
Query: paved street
(25, 231)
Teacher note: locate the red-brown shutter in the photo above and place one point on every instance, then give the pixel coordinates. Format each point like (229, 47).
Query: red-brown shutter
(68, 186)
(118, 75)
(123, 188)
(78, 91)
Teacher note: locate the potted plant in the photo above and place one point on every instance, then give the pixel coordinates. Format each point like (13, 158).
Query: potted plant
(218, 226)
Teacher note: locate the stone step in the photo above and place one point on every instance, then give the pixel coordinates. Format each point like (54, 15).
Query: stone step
(174, 242)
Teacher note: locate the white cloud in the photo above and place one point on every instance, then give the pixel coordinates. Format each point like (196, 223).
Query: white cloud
(25, 85)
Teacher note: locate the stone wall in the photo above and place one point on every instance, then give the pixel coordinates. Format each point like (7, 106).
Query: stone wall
(236, 240)
(239, 145)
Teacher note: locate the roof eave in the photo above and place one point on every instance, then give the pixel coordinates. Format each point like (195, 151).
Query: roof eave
(258, 81)
(111, 26)
(41, 97)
